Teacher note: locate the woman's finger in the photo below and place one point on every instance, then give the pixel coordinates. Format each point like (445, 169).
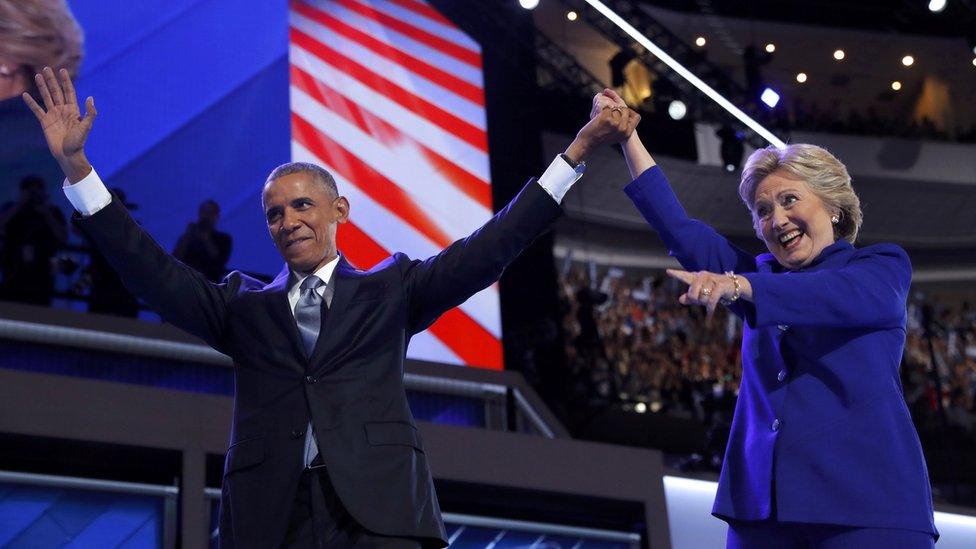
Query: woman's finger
(683, 276)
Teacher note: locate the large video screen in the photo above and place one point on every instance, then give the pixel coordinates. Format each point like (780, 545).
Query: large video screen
(201, 100)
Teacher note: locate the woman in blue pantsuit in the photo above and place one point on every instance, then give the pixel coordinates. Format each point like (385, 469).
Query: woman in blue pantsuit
(822, 451)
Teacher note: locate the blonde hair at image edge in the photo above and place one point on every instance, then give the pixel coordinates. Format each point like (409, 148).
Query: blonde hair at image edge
(40, 33)
(826, 176)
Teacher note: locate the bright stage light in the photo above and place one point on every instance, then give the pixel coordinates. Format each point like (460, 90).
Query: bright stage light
(974, 61)
(935, 6)
(770, 98)
(839, 55)
(770, 47)
(700, 41)
(572, 16)
(677, 110)
(896, 85)
(801, 77)
(529, 4)
(908, 60)
(677, 67)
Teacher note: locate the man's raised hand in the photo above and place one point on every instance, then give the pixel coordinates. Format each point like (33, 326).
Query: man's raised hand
(64, 128)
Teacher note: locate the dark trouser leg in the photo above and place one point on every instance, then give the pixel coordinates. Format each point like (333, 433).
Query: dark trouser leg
(766, 534)
(320, 521)
(845, 537)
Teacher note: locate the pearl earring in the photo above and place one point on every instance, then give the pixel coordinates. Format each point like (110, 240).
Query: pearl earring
(835, 219)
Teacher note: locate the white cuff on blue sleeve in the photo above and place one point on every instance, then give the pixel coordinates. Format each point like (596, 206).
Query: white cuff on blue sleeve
(558, 178)
(88, 195)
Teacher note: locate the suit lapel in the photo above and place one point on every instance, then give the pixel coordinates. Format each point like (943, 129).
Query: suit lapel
(346, 282)
(277, 301)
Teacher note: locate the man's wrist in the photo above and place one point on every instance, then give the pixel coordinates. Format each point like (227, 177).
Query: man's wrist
(577, 151)
(75, 168)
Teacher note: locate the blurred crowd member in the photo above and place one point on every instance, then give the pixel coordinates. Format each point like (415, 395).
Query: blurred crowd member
(202, 246)
(32, 229)
(33, 34)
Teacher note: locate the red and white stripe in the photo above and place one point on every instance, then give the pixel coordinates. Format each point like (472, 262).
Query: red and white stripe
(388, 95)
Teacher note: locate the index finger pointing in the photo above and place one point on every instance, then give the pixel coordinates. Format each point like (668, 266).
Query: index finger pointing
(683, 276)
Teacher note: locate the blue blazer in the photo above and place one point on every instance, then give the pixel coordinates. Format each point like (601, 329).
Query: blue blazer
(821, 432)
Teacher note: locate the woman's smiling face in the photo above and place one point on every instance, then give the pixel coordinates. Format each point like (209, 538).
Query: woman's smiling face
(793, 221)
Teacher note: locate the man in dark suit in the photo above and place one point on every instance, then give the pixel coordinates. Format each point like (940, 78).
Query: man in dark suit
(324, 450)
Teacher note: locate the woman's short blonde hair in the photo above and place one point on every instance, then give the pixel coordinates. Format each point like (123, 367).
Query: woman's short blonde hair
(40, 33)
(823, 173)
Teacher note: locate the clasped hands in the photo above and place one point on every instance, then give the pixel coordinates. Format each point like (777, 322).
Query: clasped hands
(610, 122)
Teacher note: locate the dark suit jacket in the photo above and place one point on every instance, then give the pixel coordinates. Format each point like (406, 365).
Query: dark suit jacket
(821, 432)
(351, 388)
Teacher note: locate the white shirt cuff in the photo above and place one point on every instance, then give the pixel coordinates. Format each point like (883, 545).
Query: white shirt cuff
(558, 179)
(89, 195)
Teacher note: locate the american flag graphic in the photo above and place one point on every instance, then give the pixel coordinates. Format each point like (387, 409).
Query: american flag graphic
(388, 95)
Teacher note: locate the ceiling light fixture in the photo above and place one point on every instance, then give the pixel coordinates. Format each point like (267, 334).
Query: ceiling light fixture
(683, 71)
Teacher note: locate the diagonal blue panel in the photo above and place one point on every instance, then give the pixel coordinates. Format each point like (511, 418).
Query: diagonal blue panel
(116, 524)
(76, 510)
(224, 153)
(172, 74)
(104, 42)
(149, 535)
(43, 532)
(22, 506)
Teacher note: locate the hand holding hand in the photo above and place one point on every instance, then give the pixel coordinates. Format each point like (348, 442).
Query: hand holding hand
(604, 100)
(64, 128)
(612, 124)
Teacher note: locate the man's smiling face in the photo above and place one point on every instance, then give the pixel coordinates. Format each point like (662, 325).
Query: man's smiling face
(302, 215)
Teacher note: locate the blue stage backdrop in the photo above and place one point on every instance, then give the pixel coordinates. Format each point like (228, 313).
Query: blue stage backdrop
(193, 104)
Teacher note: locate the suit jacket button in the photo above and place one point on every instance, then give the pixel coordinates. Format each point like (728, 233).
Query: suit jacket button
(781, 375)
(297, 433)
(776, 424)
(783, 327)
(310, 380)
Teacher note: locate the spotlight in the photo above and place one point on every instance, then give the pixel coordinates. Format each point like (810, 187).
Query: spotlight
(839, 55)
(529, 4)
(770, 47)
(935, 6)
(801, 77)
(640, 408)
(572, 15)
(974, 61)
(908, 60)
(896, 85)
(677, 109)
(700, 41)
(769, 97)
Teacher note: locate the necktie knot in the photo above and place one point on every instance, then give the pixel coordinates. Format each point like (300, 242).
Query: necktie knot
(311, 283)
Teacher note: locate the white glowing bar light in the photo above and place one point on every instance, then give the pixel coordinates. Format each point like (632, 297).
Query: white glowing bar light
(686, 74)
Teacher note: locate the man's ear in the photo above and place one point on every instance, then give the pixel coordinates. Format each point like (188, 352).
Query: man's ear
(342, 209)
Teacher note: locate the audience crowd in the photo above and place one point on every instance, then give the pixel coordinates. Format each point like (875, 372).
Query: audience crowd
(833, 119)
(631, 344)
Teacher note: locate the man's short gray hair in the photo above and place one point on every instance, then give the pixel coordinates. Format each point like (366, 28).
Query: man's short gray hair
(318, 173)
